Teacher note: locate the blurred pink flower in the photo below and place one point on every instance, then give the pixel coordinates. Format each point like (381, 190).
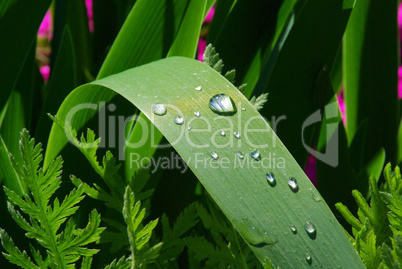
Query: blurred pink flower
(202, 43)
(88, 4)
(46, 27)
(342, 106)
(311, 169)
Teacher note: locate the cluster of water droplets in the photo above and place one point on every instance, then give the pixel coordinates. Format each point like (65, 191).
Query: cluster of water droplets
(223, 104)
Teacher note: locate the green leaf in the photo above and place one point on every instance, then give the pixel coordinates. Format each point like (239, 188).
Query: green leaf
(261, 206)
(19, 25)
(364, 73)
(260, 101)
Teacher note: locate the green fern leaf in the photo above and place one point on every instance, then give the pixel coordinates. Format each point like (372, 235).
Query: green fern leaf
(259, 101)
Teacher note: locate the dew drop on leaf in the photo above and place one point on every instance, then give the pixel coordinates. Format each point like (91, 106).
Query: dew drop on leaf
(271, 179)
(316, 196)
(189, 128)
(222, 133)
(292, 182)
(222, 104)
(256, 155)
(197, 113)
(159, 109)
(237, 135)
(310, 229)
(240, 155)
(178, 120)
(308, 258)
(214, 155)
(198, 88)
(293, 229)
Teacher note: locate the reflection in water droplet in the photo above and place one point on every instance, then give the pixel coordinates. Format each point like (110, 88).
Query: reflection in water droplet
(214, 155)
(222, 133)
(316, 196)
(237, 135)
(189, 128)
(271, 179)
(159, 109)
(240, 155)
(310, 229)
(293, 229)
(255, 154)
(308, 258)
(198, 88)
(178, 120)
(222, 104)
(197, 113)
(292, 182)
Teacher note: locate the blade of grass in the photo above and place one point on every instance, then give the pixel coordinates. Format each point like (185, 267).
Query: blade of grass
(18, 28)
(262, 214)
(370, 63)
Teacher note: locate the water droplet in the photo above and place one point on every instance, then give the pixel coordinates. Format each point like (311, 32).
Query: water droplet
(237, 135)
(292, 182)
(240, 155)
(178, 120)
(197, 113)
(189, 128)
(214, 155)
(310, 229)
(271, 179)
(293, 229)
(255, 154)
(222, 133)
(198, 88)
(316, 196)
(243, 108)
(159, 109)
(253, 227)
(308, 258)
(222, 104)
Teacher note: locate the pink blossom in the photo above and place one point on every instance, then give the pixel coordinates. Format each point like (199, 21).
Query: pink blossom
(46, 27)
(88, 4)
(311, 169)
(202, 43)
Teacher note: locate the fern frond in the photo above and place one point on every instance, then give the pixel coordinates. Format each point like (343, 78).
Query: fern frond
(64, 248)
(259, 101)
(211, 58)
(122, 263)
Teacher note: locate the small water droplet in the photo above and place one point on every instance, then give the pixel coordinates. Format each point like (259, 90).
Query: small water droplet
(308, 258)
(240, 155)
(243, 108)
(292, 182)
(310, 229)
(178, 120)
(198, 88)
(253, 227)
(189, 128)
(222, 133)
(256, 155)
(316, 196)
(237, 135)
(197, 113)
(214, 155)
(222, 104)
(271, 179)
(293, 229)
(159, 109)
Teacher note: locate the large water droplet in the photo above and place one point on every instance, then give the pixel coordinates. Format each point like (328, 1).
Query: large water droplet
(240, 155)
(237, 135)
(214, 155)
(255, 154)
(271, 179)
(197, 113)
(308, 258)
(159, 109)
(316, 196)
(293, 229)
(199, 88)
(310, 229)
(222, 133)
(292, 182)
(222, 104)
(178, 120)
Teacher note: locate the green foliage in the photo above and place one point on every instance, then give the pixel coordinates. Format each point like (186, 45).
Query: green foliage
(260, 101)
(377, 232)
(226, 249)
(64, 244)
